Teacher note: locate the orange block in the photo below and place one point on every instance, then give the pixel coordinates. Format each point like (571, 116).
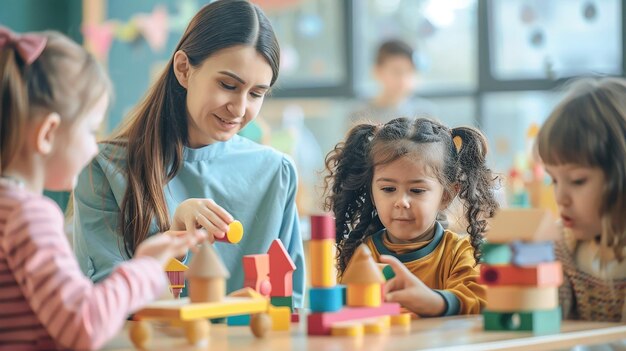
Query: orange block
(322, 258)
(542, 275)
(513, 298)
(366, 295)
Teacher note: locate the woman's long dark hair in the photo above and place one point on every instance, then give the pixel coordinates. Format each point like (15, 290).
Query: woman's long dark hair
(156, 131)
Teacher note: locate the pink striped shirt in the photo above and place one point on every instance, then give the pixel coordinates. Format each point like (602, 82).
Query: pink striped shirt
(45, 300)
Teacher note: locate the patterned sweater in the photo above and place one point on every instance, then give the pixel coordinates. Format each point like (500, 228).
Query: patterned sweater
(585, 295)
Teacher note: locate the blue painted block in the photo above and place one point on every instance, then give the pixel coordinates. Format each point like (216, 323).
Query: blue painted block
(532, 253)
(496, 253)
(326, 299)
(243, 319)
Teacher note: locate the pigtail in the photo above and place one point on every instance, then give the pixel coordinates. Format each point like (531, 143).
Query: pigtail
(347, 186)
(476, 182)
(13, 105)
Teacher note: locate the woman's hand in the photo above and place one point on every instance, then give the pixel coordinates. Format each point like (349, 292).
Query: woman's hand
(164, 246)
(193, 214)
(410, 292)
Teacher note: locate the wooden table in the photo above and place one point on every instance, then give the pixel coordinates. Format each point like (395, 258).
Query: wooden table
(435, 333)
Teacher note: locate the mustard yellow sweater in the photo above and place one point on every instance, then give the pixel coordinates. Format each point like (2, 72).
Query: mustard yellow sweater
(446, 264)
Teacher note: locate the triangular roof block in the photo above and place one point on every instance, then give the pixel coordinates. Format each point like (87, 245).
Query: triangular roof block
(530, 224)
(207, 264)
(362, 268)
(279, 258)
(175, 265)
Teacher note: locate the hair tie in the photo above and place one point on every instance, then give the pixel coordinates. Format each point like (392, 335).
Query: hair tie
(28, 46)
(458, 143)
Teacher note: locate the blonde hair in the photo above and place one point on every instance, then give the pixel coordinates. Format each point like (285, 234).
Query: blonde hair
(589, 128)
(64, 79)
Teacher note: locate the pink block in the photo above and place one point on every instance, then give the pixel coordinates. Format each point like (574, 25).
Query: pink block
(320, 323)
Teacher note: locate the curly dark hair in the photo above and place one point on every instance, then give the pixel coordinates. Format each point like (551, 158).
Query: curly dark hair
(462, 170)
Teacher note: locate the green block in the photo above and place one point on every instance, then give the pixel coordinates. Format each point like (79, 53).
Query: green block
(539, 322)
(496, 253)
(388, 272)
(279, 301)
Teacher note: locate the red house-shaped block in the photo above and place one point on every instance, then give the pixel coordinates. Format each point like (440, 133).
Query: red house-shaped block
(281, 270)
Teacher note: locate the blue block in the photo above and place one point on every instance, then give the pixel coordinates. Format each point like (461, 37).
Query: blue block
(326, 299)
(496, 253)
(532, 253)
(243, 319)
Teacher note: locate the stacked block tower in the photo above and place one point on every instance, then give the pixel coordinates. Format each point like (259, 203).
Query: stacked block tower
(354, 309)
(521, 273)
(325, 295)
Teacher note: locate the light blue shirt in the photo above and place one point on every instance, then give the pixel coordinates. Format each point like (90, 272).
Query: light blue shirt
(254, 183)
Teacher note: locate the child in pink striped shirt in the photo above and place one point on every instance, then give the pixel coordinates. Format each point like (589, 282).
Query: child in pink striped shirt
(53, 97)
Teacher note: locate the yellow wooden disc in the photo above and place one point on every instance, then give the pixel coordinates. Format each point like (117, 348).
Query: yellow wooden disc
(235, 232)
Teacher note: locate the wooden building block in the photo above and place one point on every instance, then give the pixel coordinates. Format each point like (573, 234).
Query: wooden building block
(322, 227)
(326, 299)
(377, 325)
(363, 295)
(496, 253)
(387, 271)
(278, 301)
(244, 301)
(522, 224)
(539, 322)
(322, 263)
(403, 319)
(239, 320)
(353, 329)
(281, 270)
(206, 275)
(543, 275)
(320, 323)
(256, 269)
(532, 253)
(234, 233)
(281, 317)
(513, 298)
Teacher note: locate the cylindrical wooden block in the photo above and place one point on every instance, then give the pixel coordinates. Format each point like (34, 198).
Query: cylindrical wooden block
(322, 258)
(207, 290)
(358, 295)
(322, 227)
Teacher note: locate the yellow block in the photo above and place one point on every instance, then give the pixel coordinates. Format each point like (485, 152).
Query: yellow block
(351, 329)
(322, 257)
(401, 319)
(514, 298)
(377, 325)
(244, 301)
(363, 295)
(281, 317)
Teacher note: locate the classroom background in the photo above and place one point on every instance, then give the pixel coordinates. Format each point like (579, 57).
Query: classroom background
(495, 64)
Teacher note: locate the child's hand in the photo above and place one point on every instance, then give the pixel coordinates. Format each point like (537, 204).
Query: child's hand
(409, 291)
(165, 246)
(193, 214)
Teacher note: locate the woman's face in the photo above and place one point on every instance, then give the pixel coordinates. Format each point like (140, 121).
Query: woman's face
(224, 93)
